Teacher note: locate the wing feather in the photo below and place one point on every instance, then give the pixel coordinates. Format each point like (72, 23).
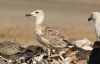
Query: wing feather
(54, 37)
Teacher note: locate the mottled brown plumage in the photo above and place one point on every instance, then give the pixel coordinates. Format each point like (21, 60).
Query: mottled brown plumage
(45, 35)
(55, 38)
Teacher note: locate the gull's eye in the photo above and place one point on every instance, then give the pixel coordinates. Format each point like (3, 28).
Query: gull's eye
(36, 12)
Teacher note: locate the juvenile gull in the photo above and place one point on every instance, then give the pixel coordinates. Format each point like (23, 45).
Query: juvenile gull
(47, 36)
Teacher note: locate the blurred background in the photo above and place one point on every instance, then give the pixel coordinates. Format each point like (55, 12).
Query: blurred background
(69, 17)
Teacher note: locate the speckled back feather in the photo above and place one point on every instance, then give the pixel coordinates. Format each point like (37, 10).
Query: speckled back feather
(56, 40)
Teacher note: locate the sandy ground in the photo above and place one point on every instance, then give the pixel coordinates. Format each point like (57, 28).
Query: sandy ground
(68, 17)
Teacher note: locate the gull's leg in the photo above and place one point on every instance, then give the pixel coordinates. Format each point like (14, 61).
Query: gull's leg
(49, 52)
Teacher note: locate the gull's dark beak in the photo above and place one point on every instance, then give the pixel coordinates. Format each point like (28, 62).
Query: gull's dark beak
(90, 18)
(28, 15)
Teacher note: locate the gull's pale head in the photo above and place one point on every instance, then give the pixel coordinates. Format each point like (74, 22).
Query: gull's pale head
(35, 13)
(94, 16)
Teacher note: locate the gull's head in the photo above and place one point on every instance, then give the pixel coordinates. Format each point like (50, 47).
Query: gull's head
(36, 13)
(94, 16)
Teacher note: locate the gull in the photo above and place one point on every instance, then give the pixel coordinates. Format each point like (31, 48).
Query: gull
(47, 36)
(95, 16)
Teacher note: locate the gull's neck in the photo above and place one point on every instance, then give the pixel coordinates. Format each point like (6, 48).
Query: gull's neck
(39, 20)
(97, 22)
(96, 26)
